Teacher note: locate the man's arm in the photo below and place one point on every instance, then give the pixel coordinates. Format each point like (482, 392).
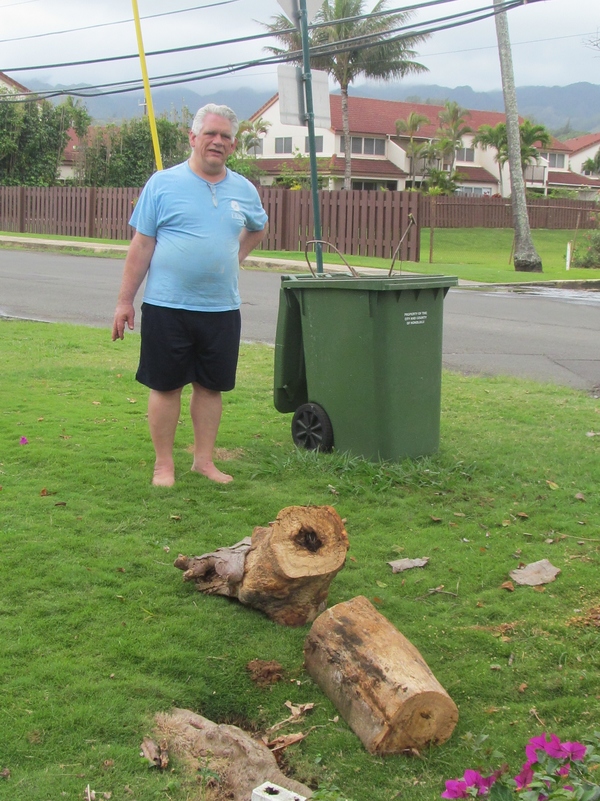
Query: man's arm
(136, 266)
(249, 240)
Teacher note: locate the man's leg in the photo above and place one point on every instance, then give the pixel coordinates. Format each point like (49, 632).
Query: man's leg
(163, 415)
(206, 407)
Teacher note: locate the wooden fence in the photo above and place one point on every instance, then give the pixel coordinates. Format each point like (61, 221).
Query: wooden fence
(365, 223)
(492, 212)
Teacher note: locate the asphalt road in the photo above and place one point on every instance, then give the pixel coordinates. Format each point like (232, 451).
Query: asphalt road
(553, 337)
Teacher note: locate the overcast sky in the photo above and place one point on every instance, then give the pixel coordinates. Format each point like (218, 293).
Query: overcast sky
(549, 42)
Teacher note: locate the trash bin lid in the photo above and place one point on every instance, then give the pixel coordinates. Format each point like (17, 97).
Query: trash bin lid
(383, 283)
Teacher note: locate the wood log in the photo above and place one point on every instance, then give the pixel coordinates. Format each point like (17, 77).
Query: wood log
(378, 680)
(284, 569)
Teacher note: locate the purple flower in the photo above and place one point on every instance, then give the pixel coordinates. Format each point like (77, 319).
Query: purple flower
(555, 748)
(23, 441)
(535, 744)
(455, 788)
(524, 777)
(575, 751)
(473, 778)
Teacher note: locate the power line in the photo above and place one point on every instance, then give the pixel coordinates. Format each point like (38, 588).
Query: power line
(356, 43)
(508, 4)
(108, 24)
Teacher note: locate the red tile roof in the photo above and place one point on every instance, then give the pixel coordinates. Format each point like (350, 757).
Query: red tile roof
(361, 168)
(476, 174)
(13, 84)
(572, 179)
(582, 142)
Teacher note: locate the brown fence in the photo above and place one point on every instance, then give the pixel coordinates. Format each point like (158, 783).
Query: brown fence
(67, 210)
(358, 222)
(492, 212)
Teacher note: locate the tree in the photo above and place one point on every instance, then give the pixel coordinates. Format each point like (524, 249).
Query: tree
(532, 135)
(410, 127)
(592, 164)
(123, 155)
(526, 258)
(33, 136)
(495, 137)
(249, 138)
(375, 53)
(453, 127)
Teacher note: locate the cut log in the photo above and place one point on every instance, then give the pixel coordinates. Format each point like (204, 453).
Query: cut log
(378, 680)
(284, 569)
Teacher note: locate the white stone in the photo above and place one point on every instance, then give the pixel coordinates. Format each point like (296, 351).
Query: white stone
(273, 792)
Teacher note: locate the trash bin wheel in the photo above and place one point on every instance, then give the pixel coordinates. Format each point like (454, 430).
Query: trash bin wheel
(312, 429)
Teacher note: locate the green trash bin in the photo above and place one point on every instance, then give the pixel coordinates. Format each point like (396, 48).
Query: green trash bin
(358, 360)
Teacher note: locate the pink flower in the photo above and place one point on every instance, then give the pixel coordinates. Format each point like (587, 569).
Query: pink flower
(575, 751)
(535, 744)
(525, 776)
(23, 441)
(554, 748)
(455, 788)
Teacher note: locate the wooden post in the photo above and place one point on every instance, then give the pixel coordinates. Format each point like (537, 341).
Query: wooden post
(432, 222)
(378, 680)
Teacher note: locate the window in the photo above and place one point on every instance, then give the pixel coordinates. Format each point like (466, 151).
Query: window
(257, 149)
(374, 147)
(318, 144)
(555, 159)
(465, 154)
(283, 144)
(367, 145)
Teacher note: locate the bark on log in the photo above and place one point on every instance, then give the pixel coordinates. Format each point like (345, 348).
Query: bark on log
(284, 569)
(378, 680)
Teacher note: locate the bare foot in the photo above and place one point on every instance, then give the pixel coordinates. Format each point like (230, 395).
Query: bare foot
(163, 476)
(213, 473)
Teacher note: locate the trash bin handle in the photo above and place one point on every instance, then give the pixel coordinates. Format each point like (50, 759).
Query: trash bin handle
(324, 242)
(411, 222)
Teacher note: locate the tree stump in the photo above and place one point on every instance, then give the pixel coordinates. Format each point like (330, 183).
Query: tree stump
(284, 569)
(378, 680)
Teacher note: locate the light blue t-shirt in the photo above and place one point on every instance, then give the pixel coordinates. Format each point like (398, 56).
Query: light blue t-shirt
(197, 226)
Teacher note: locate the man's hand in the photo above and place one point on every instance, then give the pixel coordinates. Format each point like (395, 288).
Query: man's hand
(124, 313)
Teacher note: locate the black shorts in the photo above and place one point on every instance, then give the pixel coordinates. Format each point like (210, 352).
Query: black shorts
(180, 347)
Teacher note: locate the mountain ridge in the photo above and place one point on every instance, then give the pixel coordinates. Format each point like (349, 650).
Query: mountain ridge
(574, 108)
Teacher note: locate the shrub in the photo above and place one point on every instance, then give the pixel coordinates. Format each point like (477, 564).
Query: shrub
(587, 254)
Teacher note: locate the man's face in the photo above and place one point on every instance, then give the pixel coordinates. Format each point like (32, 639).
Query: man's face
(213, 144)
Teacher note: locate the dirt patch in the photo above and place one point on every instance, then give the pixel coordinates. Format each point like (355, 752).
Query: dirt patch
(264, 673)
(590, 618)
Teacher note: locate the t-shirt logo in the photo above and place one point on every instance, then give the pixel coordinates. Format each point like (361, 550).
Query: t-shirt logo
(235, 205)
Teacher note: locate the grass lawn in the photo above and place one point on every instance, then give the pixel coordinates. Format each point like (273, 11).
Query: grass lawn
(99, 632)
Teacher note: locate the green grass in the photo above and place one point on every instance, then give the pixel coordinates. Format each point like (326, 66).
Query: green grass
(473, 254)
(99, 632)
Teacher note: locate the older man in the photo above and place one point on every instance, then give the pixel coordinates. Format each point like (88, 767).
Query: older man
(195, 223)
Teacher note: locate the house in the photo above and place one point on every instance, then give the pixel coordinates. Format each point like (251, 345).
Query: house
(381, 158)
(12, 87)
(583, 148)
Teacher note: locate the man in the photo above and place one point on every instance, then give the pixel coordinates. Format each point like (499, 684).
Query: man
(195, 223)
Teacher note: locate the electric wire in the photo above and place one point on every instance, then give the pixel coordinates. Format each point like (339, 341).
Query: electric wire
(355, 43)
(108, 24)
(506, 4)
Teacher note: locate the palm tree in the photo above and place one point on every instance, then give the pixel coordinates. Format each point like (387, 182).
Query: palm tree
(453, 127)
(410, 127)
(250, 134)
(373, 52)
(526, 257)
(592, 164)
(532, 135)
(494, 136)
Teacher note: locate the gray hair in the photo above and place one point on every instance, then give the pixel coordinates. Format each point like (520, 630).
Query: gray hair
(220, 111)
